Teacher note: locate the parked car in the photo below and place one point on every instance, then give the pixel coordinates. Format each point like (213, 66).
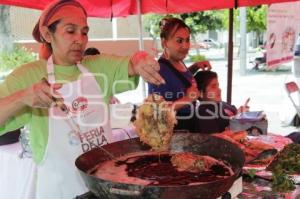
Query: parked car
(200, 45)
(212, 43)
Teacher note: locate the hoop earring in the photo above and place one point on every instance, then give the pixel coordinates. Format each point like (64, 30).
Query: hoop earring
(166, 54)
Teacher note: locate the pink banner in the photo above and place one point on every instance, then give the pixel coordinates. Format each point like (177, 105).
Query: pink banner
(282, 32)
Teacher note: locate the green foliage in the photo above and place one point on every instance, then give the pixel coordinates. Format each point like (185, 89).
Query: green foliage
(256, 19)
(151, 24)
(252, 173)
(225, 14)
(285, 163)
(19, 56)
(196, 58)
(281, 182)
(288, 160)
(199, 22)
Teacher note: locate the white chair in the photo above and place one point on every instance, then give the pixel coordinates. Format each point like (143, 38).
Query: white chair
(293, 92)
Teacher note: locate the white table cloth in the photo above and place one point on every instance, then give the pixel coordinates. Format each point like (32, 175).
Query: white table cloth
(18, 176)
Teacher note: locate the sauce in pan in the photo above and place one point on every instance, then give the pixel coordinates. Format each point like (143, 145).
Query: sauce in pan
(150, 169)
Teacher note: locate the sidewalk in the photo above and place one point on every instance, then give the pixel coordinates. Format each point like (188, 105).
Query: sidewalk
(265, 89)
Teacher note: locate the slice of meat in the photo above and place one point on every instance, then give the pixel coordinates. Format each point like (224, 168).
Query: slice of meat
(257, 145)
(239, 136)
(155, 122)
(251, 148)
(188, 161)
(230, 139)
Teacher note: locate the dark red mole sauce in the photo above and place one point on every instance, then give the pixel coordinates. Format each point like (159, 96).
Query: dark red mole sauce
(160, 169)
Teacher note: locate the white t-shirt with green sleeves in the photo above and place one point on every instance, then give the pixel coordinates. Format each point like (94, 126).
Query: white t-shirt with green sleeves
(107, 69)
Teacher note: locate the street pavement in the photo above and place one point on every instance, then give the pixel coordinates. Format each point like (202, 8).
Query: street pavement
(266, 91)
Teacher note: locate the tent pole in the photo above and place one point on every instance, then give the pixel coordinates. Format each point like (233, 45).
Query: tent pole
(243, 41)
(230, 57)
(141, 42)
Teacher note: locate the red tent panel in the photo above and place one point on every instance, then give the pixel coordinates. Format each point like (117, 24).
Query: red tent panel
(119, 8)
(95, 8)
(35, 4)
(179, 6)
(122, 8)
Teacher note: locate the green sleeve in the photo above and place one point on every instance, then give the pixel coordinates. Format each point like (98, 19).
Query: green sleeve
(10, 85)
(36, 119)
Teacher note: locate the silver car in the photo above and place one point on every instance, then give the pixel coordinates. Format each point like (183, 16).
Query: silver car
(212, 43)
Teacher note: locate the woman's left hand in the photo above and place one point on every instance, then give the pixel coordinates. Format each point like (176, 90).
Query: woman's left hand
(245, 107)
(242, 109)
(143, 64)
(203, 65)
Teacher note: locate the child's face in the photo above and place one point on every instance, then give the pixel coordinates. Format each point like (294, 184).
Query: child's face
(213, 91)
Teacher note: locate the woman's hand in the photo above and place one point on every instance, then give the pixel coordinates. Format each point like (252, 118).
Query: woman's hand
(143, 64)
(242, 109)
(203, 65)
(245, 107)
(41, 94)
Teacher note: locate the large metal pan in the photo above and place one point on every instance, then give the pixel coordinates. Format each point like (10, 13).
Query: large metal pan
(196, 143)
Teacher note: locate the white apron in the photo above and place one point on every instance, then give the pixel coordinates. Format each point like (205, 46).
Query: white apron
(58, 178)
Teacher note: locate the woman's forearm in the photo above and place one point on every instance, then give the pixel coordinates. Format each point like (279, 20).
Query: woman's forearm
(193, 68)
(180, 103)
(191, 95)
(10, 105)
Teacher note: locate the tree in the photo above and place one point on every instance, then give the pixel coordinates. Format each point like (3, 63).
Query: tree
(199, 22)
(151, 24)
(5, 30)
(235, 19)
(256, 21)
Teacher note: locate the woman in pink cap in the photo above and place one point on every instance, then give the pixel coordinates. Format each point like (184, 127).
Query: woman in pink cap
(63, 97)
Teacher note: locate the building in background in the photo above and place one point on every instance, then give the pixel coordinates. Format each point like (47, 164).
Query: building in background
(118, 36)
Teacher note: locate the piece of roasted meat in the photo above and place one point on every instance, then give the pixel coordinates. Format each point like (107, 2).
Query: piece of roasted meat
(188, 161)
(155, 122)
(256, 152)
